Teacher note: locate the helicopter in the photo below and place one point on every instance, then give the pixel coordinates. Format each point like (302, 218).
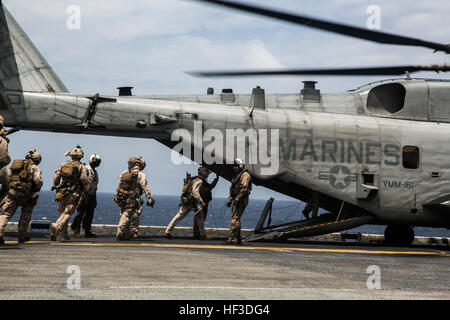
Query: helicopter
(372, 155)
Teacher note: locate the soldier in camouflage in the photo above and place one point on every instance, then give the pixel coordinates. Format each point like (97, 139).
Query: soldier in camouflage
(241, 186)
(25, 181)
(5, 159)
(70, 181)
(131, 185)
(192, 200)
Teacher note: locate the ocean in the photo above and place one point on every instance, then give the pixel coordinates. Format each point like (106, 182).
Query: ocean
(166, 207)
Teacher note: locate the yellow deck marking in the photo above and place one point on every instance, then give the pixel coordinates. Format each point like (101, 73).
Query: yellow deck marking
(193, 246)
(205, 246)
(28, 242)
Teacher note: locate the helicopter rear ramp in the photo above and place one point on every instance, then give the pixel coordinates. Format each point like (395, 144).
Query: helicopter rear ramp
(323, 224)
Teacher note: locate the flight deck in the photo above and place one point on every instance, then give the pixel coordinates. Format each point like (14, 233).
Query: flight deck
(152, 267)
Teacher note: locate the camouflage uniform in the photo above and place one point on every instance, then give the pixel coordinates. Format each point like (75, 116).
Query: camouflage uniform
(194, 202)
(241, 186)
(23, 193)
(131, 185)
(5, 159)
(69, 194)
(185, 208)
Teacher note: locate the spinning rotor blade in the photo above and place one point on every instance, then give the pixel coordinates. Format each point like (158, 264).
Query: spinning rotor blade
(356, 32)
(370, 71)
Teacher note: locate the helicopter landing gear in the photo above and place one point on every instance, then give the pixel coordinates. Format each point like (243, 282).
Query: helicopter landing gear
(400, 235)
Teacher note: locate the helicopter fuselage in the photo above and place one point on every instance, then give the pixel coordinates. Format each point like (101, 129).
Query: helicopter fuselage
(393, 168)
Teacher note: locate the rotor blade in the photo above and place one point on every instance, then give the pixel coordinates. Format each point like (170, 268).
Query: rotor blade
(356, 32)
(369, 71)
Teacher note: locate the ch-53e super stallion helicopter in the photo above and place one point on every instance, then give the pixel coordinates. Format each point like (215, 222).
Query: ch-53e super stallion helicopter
(377, 154)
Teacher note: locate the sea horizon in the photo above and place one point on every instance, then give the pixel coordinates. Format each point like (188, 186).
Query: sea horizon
(167, 206)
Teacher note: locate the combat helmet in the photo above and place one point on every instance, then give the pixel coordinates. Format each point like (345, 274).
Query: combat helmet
(34, 155)
(141, 162)
(239, 162)
(76, 152)
(203, 171)
(95, 160)
(136, 160)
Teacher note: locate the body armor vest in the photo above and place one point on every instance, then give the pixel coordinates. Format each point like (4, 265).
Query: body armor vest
(236, 185)
(71, 173)
(21, 175)
(126, 193)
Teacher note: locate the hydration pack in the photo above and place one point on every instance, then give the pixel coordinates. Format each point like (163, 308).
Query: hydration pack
(186, 191)
(127, 188)
(21, 175)
(71, 172)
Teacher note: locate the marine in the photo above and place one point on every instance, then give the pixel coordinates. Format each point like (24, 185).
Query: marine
(240, 189)
(5, 159)
(205, 190)
(312, 206)
(89, 203)
(191, 200)
(70, 181)
(25, 181)
(131, 185)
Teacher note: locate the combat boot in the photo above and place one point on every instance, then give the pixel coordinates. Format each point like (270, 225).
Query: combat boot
(53, 232)
(233, 242)
(23, 239)
(306, 214)
(121, 237)
(90, 235)
(206, 237)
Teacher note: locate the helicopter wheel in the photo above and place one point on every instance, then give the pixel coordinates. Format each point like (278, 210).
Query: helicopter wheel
(399, 235)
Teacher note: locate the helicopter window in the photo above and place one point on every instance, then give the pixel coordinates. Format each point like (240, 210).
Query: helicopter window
(411, 157)
(14, 98)
(369, 179)
(386, 98)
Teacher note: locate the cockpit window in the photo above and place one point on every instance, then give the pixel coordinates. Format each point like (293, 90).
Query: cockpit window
(411, 157)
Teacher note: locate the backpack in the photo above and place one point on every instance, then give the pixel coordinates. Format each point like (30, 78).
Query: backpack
(71, 172)
(186, 191)
(126, 188)
(21, 175)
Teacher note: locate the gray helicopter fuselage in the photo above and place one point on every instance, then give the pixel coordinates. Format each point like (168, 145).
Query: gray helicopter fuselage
(333, 145)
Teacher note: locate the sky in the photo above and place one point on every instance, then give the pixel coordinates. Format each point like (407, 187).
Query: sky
(151, 44)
